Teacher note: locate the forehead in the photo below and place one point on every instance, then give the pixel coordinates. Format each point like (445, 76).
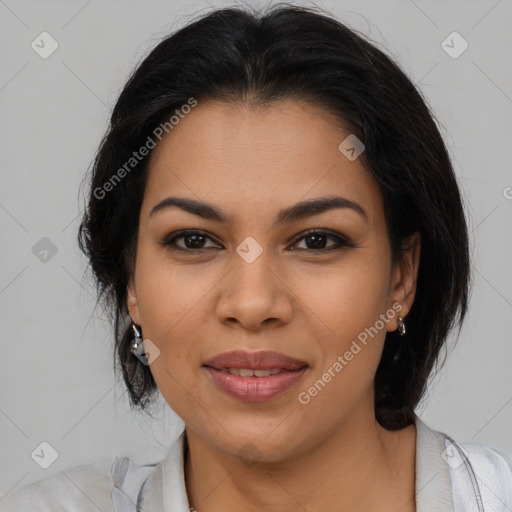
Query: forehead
(248, 158)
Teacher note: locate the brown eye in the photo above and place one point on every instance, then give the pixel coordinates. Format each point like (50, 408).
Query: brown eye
(317, 240)
(192, 240)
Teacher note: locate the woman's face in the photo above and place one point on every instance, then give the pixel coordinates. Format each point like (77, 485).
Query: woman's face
(254, 280)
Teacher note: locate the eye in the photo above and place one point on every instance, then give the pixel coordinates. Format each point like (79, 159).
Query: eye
(192, 239)
(315, 240)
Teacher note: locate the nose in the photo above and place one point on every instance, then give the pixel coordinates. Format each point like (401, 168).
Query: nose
(254, 295)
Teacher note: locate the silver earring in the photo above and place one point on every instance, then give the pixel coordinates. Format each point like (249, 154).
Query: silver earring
(137, 345)
(401, 326)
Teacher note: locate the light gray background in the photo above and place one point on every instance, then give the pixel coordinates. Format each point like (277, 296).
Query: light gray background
(56, 366)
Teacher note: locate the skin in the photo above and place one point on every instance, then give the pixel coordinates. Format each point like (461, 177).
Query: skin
(330, 454)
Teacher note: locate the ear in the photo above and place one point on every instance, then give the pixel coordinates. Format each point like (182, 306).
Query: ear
(404, 279)
(132, 302)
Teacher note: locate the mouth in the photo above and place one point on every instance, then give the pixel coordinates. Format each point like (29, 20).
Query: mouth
(255, 376)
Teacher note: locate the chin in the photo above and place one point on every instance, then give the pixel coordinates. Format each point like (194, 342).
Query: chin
(257, 445)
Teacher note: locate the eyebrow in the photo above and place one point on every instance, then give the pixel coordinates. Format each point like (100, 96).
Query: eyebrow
(295, 212)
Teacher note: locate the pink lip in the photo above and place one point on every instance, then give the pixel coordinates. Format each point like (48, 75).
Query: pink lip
(255, 389)
(254, 360)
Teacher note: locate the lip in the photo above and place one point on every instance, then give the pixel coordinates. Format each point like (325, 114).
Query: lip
(255, 360)
(255, 389)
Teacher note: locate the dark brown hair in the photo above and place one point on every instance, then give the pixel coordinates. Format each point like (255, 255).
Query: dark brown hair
(257, 58)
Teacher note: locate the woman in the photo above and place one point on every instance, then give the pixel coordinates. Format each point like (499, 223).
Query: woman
(275, 222)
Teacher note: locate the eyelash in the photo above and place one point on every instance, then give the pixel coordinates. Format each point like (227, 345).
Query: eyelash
(169, 240)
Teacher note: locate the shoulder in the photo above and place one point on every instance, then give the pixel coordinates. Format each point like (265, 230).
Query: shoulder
(485, 459)
(480, 470)
(110, 485)
(490, 465)
(461, 475)
(87, 486)
(481, 453)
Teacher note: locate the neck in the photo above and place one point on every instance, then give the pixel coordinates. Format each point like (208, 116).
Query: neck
(359, 467)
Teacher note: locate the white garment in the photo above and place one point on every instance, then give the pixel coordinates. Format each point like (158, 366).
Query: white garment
(450, 477)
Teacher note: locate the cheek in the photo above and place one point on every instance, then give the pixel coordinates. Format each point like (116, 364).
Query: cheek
(346, 298)
(169, 293)
(170, 301)
(346, 304)
(349, 352)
